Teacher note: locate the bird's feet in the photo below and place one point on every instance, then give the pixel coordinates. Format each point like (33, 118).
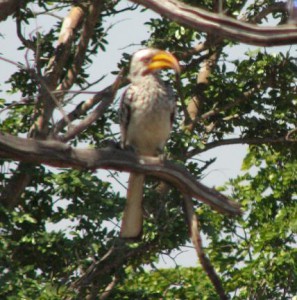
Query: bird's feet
(129, 148)
(151, 160)
(161, 155)
(111, 144)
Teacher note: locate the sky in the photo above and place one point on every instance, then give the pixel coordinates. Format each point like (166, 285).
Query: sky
(126, 33)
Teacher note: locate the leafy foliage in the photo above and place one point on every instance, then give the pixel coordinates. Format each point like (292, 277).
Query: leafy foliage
(265, 240)
(179, 283)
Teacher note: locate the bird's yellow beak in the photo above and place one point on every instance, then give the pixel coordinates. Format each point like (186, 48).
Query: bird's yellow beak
(163, 60)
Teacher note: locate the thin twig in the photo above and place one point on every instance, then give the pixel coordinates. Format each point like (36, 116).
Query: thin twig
(246, 96)
(82, 90)
(18, 65)
(105, 97)
(25, 101)
(27, 43)
(241, 140)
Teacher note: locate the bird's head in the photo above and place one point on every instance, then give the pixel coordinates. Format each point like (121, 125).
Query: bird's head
(148, 61)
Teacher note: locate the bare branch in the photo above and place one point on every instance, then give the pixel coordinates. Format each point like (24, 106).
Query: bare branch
(222, 25)
(246, 96)
(234, 141)
(46, 103)
(86, 33)
(27, 43)
(56, 64)
(82, 90)
(197, 242)
(114, 11)
(275, 7)
(18, 65)
(117, 256)
(58, 154)
(105, 98)
(200, 47)
(197, 100)
(109, 289)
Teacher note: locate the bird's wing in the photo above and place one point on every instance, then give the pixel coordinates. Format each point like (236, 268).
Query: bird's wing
(125, 112)
(131, 227)
(172, 98)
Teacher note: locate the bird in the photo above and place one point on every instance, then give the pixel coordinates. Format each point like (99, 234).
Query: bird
(147, 112)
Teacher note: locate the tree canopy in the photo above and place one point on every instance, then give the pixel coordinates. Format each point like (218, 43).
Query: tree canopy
(60, 213)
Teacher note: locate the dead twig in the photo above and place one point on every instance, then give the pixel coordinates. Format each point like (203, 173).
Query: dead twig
(105, 97)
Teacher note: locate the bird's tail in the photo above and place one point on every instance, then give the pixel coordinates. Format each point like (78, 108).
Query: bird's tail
(131, 227)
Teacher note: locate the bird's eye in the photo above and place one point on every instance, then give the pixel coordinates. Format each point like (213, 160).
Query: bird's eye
(146, 60)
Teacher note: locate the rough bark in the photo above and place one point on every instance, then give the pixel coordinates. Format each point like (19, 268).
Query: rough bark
(58, 154)
(219, 24)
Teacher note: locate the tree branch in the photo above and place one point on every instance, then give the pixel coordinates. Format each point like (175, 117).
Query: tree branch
(234, 141)
(289, 135)
(56, 64)
(27, 43)
(117, 256)
(218, 24)
(109, 289)
(8, 7)
(198, 99)
(197, 242)
(58, 154)
(245, 96)
(272, 8)
(46, 101)
(105, 97)
(91, 19)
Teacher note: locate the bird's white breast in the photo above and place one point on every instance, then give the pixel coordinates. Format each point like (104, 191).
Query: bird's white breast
(150, 120)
